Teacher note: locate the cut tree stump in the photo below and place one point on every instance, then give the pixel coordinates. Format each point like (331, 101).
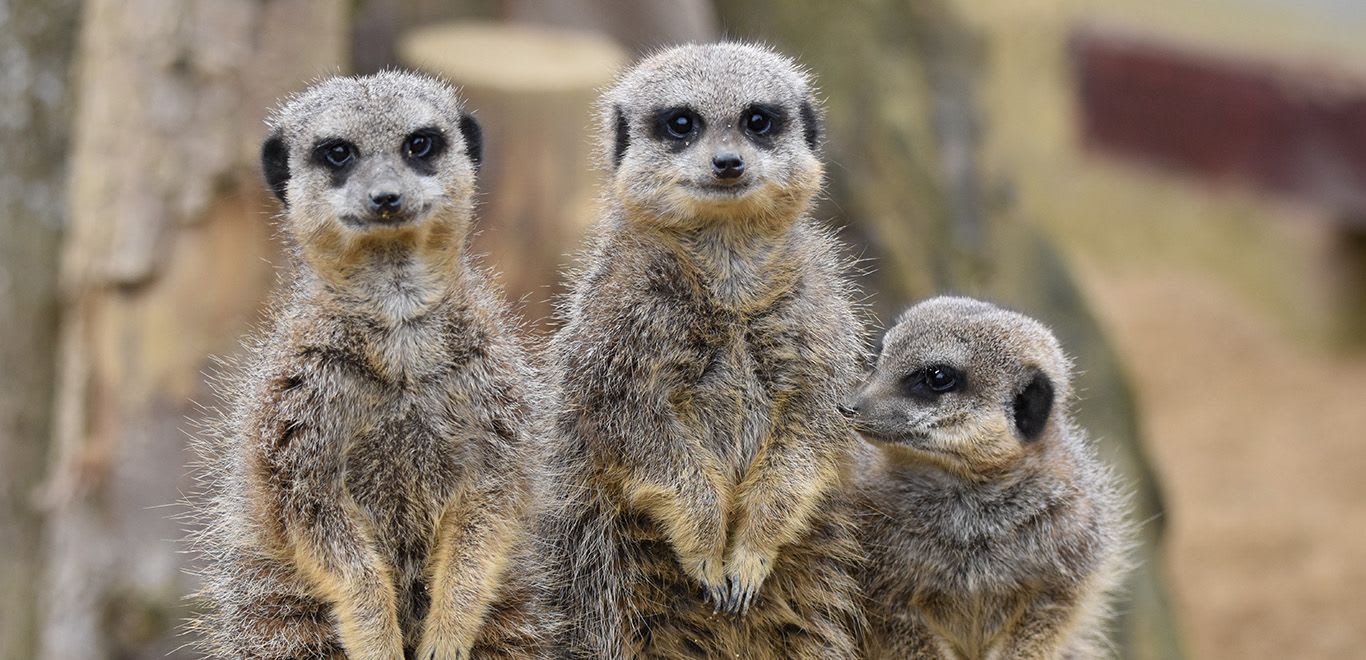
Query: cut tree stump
(532, 90)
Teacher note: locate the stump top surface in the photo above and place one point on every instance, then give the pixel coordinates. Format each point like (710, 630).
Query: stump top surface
(513, 57)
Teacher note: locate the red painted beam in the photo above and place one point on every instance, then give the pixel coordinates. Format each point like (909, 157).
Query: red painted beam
(1295, 132)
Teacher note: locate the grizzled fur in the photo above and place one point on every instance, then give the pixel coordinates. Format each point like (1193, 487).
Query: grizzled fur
(369, 482)
(992, 530)
(706, 346)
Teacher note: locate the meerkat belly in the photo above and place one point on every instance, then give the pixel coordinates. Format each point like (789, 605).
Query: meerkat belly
(401, 472)
(732, 407)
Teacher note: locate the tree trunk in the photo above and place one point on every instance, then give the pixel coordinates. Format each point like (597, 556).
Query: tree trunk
(36, 41)
(537, 179)
(165, 263)
(905, 129)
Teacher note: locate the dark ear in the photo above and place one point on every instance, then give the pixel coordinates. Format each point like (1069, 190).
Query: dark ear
(811, 126)
(1032, 406)
(275, 163)
(474, 138)
(623, 136)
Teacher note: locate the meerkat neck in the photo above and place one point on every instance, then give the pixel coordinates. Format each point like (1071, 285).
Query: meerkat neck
(742, 267)
(395, 280)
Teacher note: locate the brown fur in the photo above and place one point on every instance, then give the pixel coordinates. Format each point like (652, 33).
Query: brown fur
(988, 537)
(705, 347)
(369, 486)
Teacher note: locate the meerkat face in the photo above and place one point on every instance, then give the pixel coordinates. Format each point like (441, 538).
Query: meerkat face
(963, 384)
(717, 133)
(357, 160)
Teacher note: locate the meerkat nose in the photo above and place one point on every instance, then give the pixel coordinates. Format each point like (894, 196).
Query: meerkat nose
(727, 165)
(385, 202)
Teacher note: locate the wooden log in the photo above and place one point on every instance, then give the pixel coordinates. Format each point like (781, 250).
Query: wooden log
(532, 90)
(166, 262)
(37, 38)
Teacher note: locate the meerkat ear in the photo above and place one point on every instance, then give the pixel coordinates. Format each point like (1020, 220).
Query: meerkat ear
(1032, 406)
(811, 125)
(623, 136)
(474, 138)
(275, 164)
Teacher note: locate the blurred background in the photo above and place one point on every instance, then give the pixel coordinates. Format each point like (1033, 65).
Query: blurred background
(1178, 187)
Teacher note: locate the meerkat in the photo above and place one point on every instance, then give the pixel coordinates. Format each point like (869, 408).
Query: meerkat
(371, 481)
(992, 530)
(706, 345)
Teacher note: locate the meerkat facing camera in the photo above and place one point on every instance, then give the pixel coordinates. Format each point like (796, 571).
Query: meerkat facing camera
(705, 349)
(992, 529)
(370, 482)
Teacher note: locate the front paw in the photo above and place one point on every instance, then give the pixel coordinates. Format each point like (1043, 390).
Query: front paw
(745, 572)
(707, 571)
(439, 645)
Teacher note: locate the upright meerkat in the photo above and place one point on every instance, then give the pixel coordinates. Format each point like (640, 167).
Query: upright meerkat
(370, 482)
(706, 347)
(992, 529)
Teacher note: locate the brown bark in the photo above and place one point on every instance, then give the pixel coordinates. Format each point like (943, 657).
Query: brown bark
(165, 263)
(905, 130)
(36, 40)
(534, 102)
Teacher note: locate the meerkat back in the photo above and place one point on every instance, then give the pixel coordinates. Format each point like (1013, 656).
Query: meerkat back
(992, 529)
(368, 487)
(706, 345)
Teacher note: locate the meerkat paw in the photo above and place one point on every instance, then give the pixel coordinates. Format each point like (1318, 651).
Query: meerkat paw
(745, 571)
(435, 648)
(707, 571)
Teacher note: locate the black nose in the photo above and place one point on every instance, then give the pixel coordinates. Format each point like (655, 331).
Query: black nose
(385, 202)
(727, 166)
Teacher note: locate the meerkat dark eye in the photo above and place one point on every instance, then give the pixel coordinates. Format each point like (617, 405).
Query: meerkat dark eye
(941, 379)
(336, 153)
(423, 144)
(933, 381)
(678, 124)
(418, 146)
(681, 125)
(758, 122)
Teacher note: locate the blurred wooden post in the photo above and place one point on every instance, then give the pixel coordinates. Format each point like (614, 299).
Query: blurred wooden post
(165, 263)
(34, 99)
(904, 123)
(532, 90)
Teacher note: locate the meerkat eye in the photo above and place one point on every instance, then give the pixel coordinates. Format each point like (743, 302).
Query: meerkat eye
(758, 121)
(679, 124)
(336, 153)
(933, 381)
(941, 379)
(422, 144)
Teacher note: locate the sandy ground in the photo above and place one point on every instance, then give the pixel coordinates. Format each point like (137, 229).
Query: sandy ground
(1261, 441)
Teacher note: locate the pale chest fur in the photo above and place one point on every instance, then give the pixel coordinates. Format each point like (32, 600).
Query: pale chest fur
(405, 428)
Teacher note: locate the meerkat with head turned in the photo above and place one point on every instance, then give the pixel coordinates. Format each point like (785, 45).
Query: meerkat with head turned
(370, 483)
(992, 530)
(705, 349)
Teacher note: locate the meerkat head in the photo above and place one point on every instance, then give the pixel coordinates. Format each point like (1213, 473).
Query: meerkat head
(716, 133)
(370, 161)
(964, 384)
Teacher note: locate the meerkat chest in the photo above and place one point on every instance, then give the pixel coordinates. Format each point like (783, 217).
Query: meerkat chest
(734, 400)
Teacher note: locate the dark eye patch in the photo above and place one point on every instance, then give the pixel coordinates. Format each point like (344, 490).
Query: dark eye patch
(811, 126)
(677, 127)
(762, 123)
(338, 157)
(421, 149)
(933, 381)
(623, 137)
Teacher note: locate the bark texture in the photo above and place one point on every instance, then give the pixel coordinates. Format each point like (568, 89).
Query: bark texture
(166, 261)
